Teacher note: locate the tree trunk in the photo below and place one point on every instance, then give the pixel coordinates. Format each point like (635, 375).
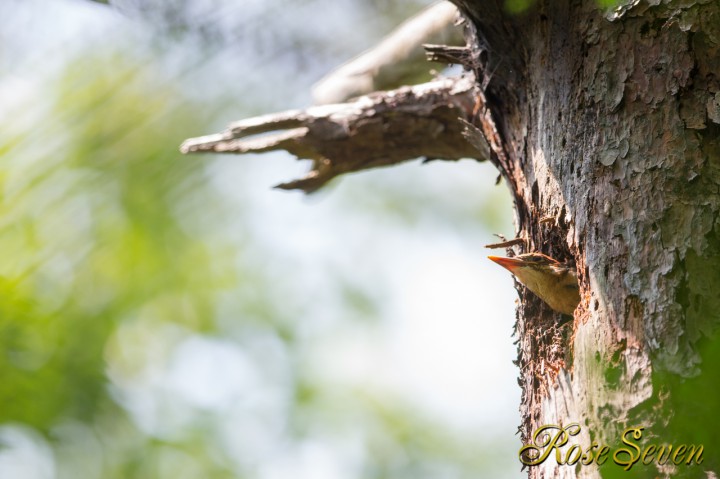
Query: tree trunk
(609, 123)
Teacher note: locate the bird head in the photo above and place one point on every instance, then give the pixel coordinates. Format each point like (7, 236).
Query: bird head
(554, 282)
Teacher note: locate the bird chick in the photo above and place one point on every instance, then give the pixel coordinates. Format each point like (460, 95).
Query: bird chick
(553, 282)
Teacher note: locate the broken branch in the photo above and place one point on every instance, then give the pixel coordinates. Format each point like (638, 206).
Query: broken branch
(431, 120)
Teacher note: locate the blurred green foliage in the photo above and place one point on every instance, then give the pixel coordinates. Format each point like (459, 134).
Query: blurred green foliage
(518, 6)
(114, 258)
(93, 191)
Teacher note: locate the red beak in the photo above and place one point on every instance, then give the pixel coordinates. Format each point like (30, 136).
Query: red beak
(508, 263)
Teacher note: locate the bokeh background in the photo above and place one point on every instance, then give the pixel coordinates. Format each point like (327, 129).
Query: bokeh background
(164, 316)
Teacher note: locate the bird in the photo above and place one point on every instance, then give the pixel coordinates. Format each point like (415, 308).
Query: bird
(552, 281)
